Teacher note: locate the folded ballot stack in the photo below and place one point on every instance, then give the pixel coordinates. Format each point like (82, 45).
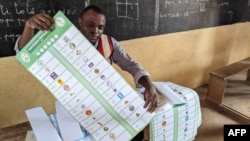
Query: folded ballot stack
(178, 115)
(60, 126)
(177, 118)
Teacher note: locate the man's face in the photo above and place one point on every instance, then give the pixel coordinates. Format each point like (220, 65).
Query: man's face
(92, 25)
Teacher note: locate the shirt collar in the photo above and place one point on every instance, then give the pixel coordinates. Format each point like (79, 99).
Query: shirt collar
(96, 44)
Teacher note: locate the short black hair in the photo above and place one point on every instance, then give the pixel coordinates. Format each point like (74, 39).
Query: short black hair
(92, 7)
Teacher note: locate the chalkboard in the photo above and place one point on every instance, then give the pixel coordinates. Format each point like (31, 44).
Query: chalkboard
(14, 13)
(126, 19)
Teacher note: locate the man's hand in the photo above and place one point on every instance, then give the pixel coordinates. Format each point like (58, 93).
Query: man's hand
(150, 94)
(40, 21)
(151, 99)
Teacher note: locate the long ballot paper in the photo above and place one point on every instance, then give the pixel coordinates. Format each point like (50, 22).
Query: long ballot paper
(88, 87)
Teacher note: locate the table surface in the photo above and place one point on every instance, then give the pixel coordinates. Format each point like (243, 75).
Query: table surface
(15, 133)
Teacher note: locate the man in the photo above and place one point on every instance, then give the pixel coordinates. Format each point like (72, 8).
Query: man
(92, 23)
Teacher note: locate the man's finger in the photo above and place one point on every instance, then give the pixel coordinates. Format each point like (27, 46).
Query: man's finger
(153, 104)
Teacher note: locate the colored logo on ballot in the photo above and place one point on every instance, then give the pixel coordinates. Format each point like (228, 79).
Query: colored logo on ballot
(25, 57)
(60, 22)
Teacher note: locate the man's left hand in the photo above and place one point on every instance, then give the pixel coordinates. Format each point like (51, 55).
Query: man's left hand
(151, 99)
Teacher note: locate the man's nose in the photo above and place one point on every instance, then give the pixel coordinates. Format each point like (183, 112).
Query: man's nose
(95, 29)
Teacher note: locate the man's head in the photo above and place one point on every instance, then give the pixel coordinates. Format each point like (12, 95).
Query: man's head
(92, 23)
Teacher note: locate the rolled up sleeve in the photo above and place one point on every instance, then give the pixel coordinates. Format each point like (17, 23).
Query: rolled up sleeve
(16, 48)
(126, 63)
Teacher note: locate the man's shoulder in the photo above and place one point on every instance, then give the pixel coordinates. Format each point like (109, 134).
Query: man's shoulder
(114, 41)
(108, 36)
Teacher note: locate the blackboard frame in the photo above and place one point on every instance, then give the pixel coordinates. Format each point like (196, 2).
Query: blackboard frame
(126, 19)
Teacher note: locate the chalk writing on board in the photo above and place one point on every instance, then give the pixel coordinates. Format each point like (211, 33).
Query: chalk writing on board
(184, 8)
(14, 13)
(22, 10)
(180, 9)
(9, 37)
(128, 10)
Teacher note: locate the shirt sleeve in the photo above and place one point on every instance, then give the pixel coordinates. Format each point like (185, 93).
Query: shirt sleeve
(16, 48)
(126, 63)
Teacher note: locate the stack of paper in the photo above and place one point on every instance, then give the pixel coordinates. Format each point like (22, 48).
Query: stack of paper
(179, 115)
(62, 125)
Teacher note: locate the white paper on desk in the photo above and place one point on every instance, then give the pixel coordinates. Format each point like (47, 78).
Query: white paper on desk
(41, 125)
(179, 122)
(69, 128)
(164, 89)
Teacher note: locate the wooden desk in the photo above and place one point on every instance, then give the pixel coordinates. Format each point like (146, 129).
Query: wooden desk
(15, 132)
(217, 86)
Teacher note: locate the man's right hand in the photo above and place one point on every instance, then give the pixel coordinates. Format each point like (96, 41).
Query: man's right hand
(40, 21)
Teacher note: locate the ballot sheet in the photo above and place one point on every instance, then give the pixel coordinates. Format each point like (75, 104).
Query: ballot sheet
(87, 86)
(178, 115)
